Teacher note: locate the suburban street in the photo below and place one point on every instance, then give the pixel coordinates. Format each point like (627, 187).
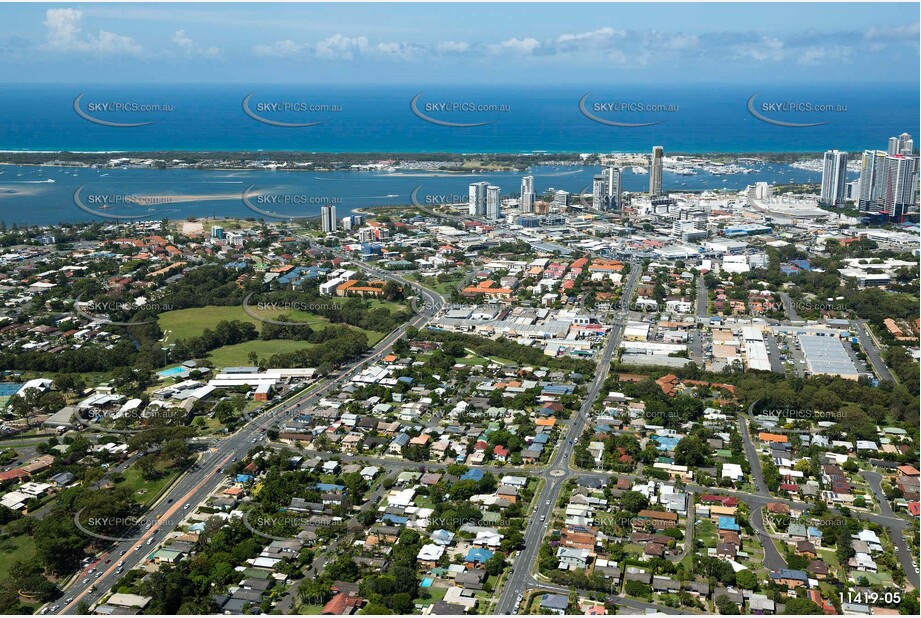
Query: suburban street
(560, 469)
(204, 477)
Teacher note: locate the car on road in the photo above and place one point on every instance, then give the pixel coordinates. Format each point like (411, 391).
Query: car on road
(121, 563)
(98, 575)
(86, 581)
(44, 611)
(170, 501)
(186, 506)
(543, 517)
(123, 552)
(55, 608)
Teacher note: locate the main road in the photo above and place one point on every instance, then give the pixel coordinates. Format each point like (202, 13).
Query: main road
(207, 475)
(560, 470)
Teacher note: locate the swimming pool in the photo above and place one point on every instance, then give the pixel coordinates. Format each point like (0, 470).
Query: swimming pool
(173, 372)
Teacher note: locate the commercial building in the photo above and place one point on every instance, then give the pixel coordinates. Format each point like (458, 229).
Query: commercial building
(477, 199)
(834, 178)
(826, 355)
(526, 201)
(493, 202)
(655, 171)
(328, 218)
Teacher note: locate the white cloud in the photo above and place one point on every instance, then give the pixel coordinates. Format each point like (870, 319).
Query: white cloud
(339, 47)
(63, 33)
(815, 56)
(401, 51)
(522, 46)
(452, 47)
(907, 32)
(765, 50)
(593, 36)
(280, 49)
(191, 48)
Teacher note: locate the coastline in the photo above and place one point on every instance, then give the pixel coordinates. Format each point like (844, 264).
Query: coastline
(304, 161)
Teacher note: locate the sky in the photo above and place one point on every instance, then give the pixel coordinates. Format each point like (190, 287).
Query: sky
(489, 43)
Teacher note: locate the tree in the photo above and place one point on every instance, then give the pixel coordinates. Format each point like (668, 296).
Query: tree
(692, 451)
(495, 565)
(633, 501)
(747, 580)
(726, 607)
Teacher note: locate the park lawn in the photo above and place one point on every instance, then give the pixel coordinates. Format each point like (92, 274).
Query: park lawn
(471, 360)
(187, 323)
(445, 288)
(151, 489)
(238, 354)
(15, 548)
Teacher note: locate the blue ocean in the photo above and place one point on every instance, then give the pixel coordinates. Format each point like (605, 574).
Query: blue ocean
(699, 119)
(544, 118)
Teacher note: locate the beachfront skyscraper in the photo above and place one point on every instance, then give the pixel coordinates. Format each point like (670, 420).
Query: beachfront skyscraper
(613, 178)
(897, 191)
(606, 189)
(887, 183)
(493, 202)
(903, 145)
(328, 218)
(655, 171)
(871, 168)
(599, 193)
(834, 177)
(477, 207)
(893, 146)
(526, 202)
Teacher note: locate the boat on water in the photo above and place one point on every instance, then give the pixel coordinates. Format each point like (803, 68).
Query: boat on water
(639, 170)
(391, 195)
